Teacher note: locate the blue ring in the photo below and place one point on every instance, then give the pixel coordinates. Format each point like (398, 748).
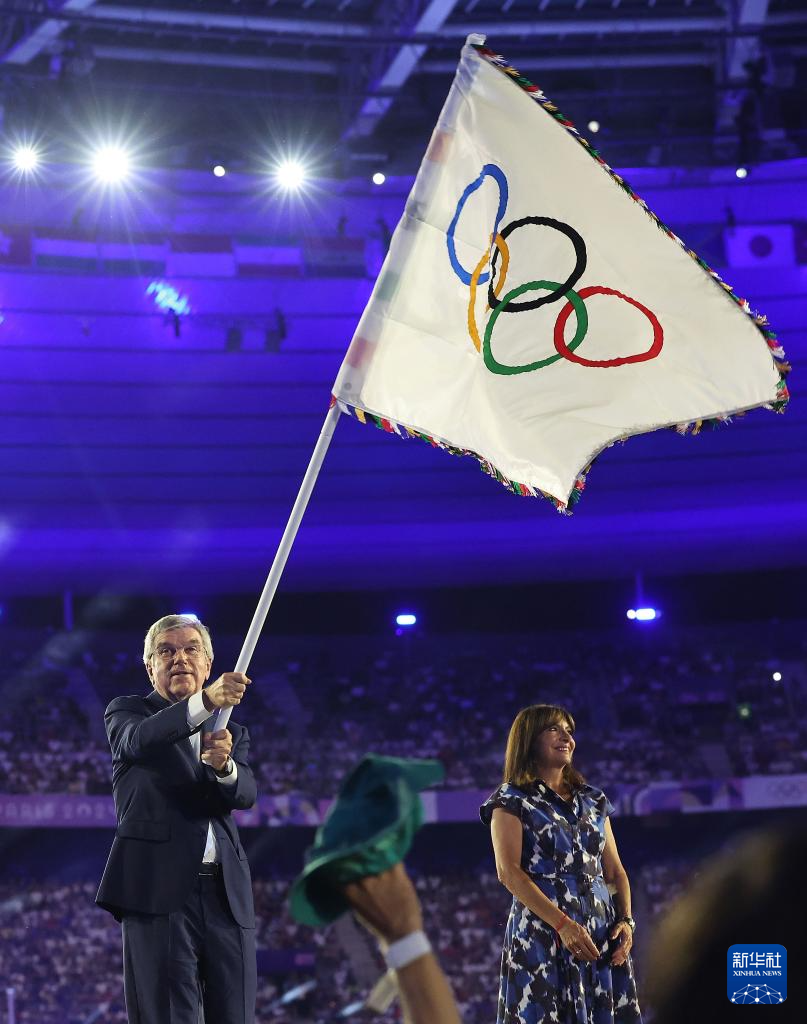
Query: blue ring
(489, 170)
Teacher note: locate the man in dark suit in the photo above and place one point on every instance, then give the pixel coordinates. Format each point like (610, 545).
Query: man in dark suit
(177, 877)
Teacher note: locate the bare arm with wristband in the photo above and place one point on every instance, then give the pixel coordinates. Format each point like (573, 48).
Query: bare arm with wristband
(388, 906)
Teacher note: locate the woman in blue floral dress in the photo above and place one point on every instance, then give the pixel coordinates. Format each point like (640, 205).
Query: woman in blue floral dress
(566, 957)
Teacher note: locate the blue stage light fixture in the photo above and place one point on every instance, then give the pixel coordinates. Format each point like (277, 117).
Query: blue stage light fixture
(219, 170)
(291, 175)
(594, 126)
(406, 619)
(643, 614)
(25, 159)
(777, 677)
(379, 178)
(111, 164)
(742, 172)
(167, 299)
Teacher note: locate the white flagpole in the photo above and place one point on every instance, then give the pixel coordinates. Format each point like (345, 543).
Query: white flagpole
(286, 541)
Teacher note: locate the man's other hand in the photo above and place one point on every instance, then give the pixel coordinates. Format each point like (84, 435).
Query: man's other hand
(216, 748)
(227, 690)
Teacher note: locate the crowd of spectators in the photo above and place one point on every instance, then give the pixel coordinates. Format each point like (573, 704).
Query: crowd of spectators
(62, 955)
(690, 708)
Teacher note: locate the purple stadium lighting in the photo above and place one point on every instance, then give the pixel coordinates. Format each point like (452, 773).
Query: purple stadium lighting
(111, 164)
(406, 619)
(643, 614)
(25, 159)
(167, 299)
(379, 178)
(291, 175)
(219, 170)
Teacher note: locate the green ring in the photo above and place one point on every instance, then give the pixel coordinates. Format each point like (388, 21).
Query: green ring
(582, 327)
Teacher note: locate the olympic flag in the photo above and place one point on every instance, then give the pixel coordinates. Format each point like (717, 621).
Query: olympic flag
(532, 310)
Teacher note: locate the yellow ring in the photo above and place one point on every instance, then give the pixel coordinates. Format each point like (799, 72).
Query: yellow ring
(497, 288)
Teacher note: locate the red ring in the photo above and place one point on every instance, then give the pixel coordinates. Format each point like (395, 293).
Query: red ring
(563, 349)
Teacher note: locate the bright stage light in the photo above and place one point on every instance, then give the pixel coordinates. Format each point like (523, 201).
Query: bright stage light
(25, 159)
(594, 126)
(219, 171)
(379, 178)
(643, 614)
(167, 299)
(110, 164)
(777, 677)
(406, 619)
(290, 175)
(742, 172)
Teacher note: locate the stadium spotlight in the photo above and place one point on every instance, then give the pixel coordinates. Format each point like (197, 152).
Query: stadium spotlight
(25, 159)
(219, 170)
(643, 614)
(110, 164)
(406, 619)
(167, 299)
(290, 175)
(777, 677)
(741, 172)
(594, 126)
(379, 178)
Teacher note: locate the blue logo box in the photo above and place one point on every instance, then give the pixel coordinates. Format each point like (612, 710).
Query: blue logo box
(756, 973)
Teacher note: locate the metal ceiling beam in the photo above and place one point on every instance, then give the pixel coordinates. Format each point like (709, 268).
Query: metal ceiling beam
(433, 26)
(235, 22)
(30, 46)
(577, 61)
(401, 66)
(583, 26)
(739, 50)
(251, 62)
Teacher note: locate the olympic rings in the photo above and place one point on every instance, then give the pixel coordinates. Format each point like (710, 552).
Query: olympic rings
(557, 290)
(492, 171)
(567, 351)
(571, 280)
(472, 329)
(582, 326)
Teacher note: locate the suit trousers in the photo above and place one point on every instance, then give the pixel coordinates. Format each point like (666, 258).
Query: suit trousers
(198, 956)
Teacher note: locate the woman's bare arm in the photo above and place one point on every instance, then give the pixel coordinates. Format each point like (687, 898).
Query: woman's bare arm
(616, 875)
(506, 832)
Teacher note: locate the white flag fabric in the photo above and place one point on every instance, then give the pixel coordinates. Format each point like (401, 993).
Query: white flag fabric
(532, 310)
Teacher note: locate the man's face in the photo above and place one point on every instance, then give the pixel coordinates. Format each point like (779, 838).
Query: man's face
(178, 666)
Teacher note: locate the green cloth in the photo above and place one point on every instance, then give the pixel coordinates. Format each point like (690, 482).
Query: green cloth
(368, 829)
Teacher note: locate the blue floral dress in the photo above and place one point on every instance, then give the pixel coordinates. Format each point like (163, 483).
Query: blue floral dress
(541, 982)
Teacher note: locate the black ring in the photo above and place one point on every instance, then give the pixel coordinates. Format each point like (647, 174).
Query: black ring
(560, 291)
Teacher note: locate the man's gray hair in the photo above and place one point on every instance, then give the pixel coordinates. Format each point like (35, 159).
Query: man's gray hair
(176, 622)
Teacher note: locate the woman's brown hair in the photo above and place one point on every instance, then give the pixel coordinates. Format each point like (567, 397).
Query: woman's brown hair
(519, 759)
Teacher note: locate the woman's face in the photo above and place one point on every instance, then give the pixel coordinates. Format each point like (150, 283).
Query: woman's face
(555, 745)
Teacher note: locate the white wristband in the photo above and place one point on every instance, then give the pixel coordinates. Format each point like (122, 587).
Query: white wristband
(407, 949)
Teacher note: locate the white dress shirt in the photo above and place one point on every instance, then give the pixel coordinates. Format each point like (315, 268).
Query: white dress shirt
(198, 713)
